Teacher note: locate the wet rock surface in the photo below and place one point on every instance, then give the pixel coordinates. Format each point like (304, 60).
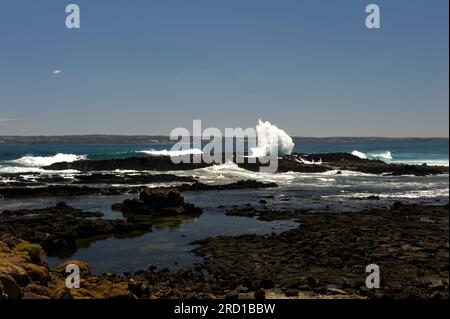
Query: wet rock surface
(319, 163)
(189, 184)
(325, 257)
(265, 214)
(139, 178)
(243, 184)
(16, 185)
(345, 161)
(328, 254)
(307, 163)
(22, 276)
(158, 201)
(60, 190)
(157, 163)
(57, 228)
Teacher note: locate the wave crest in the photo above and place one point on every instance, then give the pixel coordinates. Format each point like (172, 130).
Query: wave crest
(39, 161)
(194, 151)
(271, 140)
(384, 156)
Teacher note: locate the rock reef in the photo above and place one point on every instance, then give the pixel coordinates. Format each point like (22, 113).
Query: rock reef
(306, 163)
(24, 274)
(58, 227)
(158, 202)
(328, 253)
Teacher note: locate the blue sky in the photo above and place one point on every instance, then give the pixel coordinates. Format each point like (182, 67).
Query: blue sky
(146, 67)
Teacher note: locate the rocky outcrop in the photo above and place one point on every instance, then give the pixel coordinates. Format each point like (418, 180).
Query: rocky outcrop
(143, 178)
(59, 190)
(244, 184)
(345, 161)
(158, 201)
(318, 163)
(296, 163)
(57, 228)
(65, 190)
(287, 164)
(21, 263)
(157, 163)
(34, 179)
(24, 274)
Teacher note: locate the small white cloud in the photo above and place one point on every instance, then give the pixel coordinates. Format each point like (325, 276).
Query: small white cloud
(56, 72)
(5, 119)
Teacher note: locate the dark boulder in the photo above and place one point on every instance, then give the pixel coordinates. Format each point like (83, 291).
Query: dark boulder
(157, 198)
(158, 201)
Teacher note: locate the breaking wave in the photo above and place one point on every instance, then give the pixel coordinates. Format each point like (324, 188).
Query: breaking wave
(381, 155)
(39, 161)
(359, 154)
(194, 151)
(384, 156)
(271, 140)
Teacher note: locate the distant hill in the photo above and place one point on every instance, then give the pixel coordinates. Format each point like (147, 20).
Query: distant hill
(86, 139)
(159, 139)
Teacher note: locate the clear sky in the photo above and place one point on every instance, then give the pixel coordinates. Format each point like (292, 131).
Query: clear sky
(145, 67)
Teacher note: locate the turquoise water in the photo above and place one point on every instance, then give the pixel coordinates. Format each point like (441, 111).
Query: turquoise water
(402, 150)
(433, 151)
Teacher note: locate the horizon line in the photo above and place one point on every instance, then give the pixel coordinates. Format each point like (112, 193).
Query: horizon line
(168, 136)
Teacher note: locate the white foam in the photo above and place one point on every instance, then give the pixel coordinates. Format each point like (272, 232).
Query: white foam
(381, 155)
(23, 169)
(20, 169)
(359, 154)
(126, 171)
(231, 172)
(271, 141)
(304, 161)
(322, 179)
(384, 155)
(39, 161)
(193, 151)
(428, 162)
(344, 173)
(410, 194)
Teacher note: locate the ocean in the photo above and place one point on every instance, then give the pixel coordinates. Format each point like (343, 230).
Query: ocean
(433, 151)
(27, 160)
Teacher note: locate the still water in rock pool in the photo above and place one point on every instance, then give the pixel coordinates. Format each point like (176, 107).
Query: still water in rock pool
(167, 245)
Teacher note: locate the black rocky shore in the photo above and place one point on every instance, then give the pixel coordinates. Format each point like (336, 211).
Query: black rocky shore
(324, 257)
(90, 178)
(328, 253)
(294, 163)
(58, 227)
(66, 190)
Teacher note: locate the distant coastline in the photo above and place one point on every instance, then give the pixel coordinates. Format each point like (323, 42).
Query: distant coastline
(86, 139)
(162, 139)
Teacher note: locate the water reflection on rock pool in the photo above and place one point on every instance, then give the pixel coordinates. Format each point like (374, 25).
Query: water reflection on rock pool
(168, 245)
